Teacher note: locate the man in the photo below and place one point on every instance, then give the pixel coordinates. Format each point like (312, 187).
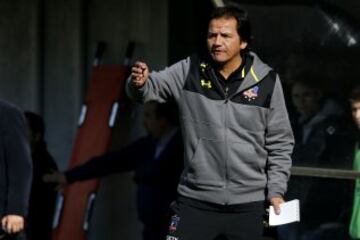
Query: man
(321, 141)
(355, 218)
(355, 106)
(157, 160)
(43, 196)
(318, 119)
(15, 171)
(237, 135)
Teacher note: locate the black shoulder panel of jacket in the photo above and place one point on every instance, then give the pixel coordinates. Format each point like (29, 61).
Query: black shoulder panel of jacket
(201, 80)
(259, 94)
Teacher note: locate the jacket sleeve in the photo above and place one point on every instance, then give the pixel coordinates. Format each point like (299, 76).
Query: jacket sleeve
(107, 164)
(279, 142)
(161, 85)
(19, 164)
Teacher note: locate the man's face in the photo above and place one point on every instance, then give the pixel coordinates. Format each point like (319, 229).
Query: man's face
(154, 124)
(33, 137)
(223, 41)
(355, 109)
(305, 99)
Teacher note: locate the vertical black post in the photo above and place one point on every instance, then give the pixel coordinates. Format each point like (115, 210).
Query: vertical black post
(40, 56)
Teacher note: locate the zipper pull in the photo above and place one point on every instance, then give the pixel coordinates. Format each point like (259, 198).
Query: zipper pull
(226, 94)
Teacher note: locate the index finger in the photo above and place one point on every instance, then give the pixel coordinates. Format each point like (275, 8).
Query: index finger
(140, 64)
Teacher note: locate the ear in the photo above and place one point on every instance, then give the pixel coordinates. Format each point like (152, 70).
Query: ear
(243, 44)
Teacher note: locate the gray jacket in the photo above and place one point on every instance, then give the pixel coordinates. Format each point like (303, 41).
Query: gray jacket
(237, 146)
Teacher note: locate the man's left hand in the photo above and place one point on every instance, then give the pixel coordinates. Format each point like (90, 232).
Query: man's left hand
(275, 202)
(12, 223)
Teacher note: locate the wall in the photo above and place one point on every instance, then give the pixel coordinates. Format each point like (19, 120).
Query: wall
(19, 52)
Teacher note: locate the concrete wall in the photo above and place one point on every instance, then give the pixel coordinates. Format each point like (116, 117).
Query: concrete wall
(19, 52)
(63, 72)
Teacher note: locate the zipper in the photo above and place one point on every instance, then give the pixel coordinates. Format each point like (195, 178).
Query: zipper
(214, 79)
(226, 93)
(226, 148)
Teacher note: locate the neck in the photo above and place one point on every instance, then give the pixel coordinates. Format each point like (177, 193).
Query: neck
(229, 67)
(167, 130)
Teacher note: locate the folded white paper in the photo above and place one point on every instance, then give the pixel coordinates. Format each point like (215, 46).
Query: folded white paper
(290, 212)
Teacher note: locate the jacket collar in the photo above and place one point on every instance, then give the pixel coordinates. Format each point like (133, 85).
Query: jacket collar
(256, 74)
(252, 75)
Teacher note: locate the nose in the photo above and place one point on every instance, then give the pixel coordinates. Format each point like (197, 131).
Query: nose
(218, 40)
(299, 100)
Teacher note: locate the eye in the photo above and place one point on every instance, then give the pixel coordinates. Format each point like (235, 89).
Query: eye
(225, 35)
(211, 35)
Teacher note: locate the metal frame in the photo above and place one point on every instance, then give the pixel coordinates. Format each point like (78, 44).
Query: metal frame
(325, 173)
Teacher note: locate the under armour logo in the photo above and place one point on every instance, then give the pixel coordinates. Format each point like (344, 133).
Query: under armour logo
(203, 66)
(206, 83)
(171, 238)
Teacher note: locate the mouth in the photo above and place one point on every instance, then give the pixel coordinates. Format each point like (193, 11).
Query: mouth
(217, 52)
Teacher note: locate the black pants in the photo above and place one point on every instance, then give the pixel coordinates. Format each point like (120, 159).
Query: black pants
(155, 231)
(210, 221)
(19, 236)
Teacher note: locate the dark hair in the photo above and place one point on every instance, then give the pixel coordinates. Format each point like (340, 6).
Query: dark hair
(241, 17)
(35, 122)
(355, 94)
(167, 110)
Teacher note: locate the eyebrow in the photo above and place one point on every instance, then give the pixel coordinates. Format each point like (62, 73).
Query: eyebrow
(221, 33)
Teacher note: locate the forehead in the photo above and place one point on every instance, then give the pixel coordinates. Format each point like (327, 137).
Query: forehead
(355, 104)
(223, 24)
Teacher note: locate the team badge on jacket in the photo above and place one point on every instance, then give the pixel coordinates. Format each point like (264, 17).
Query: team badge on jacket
(252, 93)
(174, 223)
(171, 238)
(173, 227)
